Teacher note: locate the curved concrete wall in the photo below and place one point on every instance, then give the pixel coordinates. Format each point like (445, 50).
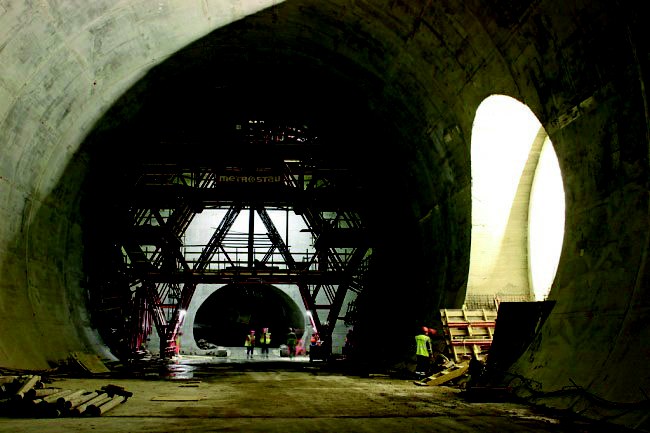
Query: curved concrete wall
(62, 64)
(420, 67)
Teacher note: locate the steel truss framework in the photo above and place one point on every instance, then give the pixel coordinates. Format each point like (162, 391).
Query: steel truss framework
(286, 174)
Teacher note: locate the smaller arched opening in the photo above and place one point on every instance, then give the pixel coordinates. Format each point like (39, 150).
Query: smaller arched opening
(226, 316)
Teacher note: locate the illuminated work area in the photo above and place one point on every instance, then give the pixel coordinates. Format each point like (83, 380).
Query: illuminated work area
(177, 174)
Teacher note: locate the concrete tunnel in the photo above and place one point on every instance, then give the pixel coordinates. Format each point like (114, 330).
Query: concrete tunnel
(394, 86)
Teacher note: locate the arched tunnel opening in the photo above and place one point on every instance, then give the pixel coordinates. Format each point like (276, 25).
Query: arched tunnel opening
(206, 118)
(232, 311)
(115, 118)
(517, 206)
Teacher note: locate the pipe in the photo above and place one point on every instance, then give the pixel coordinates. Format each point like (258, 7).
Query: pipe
(105, 407)
(53, 397)
(93, 409)
(29, 384)
(63, 403)
(46, 406)
(82, 408)
(82, 399)
(39, 393)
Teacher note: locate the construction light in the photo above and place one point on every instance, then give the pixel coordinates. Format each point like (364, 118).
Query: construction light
(311, 320)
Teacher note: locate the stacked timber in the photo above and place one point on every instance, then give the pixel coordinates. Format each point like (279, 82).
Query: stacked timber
(25, 396)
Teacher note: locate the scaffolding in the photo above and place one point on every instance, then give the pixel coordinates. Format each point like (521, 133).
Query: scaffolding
(155, 280)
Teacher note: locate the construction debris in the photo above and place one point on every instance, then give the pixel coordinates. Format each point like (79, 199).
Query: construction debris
(98, 410)
(25, 396)
(444, 376)
(96, 400)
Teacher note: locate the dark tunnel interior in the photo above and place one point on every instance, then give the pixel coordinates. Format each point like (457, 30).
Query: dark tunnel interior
(226, 317)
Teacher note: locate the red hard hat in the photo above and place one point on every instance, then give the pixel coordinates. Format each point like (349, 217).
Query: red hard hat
(252, 331)
(425, 329)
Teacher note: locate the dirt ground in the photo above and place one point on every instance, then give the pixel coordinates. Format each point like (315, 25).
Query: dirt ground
(287, 396)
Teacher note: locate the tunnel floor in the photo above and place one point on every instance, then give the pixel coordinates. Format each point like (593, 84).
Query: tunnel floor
(282, 395)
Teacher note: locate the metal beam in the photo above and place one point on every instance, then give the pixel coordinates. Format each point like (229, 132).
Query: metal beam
(245, 275)
(221, 196)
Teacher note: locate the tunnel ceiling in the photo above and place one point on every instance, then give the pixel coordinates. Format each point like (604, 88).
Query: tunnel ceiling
(326, 66)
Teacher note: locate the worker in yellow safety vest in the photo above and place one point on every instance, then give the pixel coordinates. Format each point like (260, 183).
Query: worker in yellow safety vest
(265, 341)
(250, 344)
(423, 352)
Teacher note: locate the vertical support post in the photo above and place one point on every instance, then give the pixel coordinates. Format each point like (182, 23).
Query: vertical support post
(251, 237)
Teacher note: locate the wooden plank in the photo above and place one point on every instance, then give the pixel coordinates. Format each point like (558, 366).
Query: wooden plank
(90, 363)
(177, 398)
(444, 376)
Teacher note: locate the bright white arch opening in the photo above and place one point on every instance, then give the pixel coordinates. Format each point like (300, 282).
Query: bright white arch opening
(517, 205)
(545, 222)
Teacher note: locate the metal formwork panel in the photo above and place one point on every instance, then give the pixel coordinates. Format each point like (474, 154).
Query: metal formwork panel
(468, 332)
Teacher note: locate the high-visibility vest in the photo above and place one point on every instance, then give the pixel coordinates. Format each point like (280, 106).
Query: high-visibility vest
(265, 338)
(423, 345)
(250, 341)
